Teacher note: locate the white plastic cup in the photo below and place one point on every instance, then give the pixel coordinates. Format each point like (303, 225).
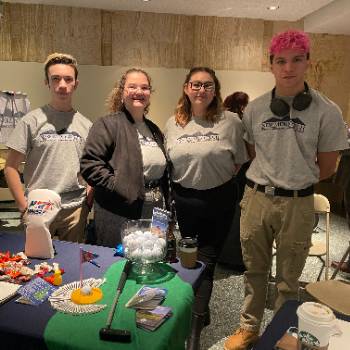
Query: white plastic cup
(316, 324)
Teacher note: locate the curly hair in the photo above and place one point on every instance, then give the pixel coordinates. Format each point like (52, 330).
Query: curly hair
(114, 101)
(290, 39)
(60, 58)
(183, 112)
(236, 102)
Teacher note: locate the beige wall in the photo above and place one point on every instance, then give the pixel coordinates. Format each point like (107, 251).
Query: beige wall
(97, 81)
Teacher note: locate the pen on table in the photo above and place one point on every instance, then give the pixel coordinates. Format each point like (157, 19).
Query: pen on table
(94, 263)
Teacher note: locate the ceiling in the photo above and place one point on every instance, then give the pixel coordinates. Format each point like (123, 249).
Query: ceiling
(320, 16)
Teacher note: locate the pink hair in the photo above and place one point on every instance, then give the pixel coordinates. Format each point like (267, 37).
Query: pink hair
(290, 39)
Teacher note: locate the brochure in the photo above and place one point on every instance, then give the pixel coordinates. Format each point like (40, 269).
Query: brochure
(35, 292)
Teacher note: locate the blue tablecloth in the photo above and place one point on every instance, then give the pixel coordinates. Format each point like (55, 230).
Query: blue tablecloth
(22, 326)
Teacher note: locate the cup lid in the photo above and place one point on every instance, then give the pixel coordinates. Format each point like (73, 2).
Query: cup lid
(315, 312)
(189, 242)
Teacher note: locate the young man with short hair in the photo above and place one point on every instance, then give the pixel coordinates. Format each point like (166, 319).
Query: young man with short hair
(50, 140)
(294, 134)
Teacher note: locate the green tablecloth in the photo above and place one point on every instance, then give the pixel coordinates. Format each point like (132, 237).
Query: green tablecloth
(65, 331)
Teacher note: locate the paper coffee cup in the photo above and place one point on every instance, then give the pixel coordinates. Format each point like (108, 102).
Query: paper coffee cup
(316, 324)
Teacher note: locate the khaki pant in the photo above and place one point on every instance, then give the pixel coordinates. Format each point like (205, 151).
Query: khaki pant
(287, 220)
(69, 224)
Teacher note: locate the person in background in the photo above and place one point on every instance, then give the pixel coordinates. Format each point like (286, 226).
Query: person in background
(206, 148)
(50, 140)
(231, 254)
(342, 178)
(236, 102)
(294, 135)
(124, 159)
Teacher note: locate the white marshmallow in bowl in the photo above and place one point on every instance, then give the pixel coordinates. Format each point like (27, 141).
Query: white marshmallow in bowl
(136, 254)
(157, 253)
(147, 254)
(147, 235)
(160, 242)
(148, 244)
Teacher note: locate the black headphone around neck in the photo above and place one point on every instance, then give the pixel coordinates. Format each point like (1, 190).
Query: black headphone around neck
(300, 102)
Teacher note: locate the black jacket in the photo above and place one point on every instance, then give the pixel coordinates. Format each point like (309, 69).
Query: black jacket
(112, 164)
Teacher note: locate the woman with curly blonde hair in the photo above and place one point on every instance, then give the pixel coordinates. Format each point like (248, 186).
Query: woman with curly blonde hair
(124, 159)
(114, 101)
(205, 145)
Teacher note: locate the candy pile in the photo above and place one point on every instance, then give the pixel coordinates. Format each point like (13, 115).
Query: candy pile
(13, 268)
(144, 246)
(52, 274)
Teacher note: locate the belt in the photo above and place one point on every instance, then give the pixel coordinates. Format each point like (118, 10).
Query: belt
(152, 184)
(276, 191)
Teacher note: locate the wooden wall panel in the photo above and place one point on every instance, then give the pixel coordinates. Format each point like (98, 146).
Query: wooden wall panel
(151, 40)
(330, 69)
(228, 43)
(5, 35)
(30, 32)
(106, 38)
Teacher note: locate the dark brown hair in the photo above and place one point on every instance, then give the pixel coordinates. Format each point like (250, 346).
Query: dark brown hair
(236, 102)
(183, 112)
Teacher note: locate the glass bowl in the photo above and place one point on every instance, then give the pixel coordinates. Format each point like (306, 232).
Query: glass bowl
(143, 245)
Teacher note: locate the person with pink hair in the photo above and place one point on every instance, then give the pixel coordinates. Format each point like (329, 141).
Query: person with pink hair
(294, 135)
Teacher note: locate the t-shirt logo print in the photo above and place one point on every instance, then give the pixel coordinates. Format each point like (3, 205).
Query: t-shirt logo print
(53, 135)
(199, 137)
(147, 141)
(39, 207)
(286, 122)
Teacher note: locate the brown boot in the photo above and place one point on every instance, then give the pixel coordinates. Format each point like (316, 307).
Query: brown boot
(241, 339)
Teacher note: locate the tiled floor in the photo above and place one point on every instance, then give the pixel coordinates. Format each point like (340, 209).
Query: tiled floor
(227, 296)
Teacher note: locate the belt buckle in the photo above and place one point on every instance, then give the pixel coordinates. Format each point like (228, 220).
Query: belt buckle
(270, 190)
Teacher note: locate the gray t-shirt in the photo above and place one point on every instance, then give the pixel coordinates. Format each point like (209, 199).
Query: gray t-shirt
(154, 161)
(53, 143)
(204, 154)
(286, 147)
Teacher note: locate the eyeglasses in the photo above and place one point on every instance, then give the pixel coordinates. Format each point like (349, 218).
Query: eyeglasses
(134, 88)
(197, 85)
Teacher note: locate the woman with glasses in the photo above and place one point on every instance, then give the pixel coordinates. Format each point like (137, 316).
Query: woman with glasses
(124, 159)
(205, 145)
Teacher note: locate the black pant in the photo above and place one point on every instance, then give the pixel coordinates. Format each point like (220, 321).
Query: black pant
(206, 214)
(231, 254)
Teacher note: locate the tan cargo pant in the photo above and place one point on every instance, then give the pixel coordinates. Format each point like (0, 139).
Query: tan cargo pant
(287, 220)
(69, 224)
